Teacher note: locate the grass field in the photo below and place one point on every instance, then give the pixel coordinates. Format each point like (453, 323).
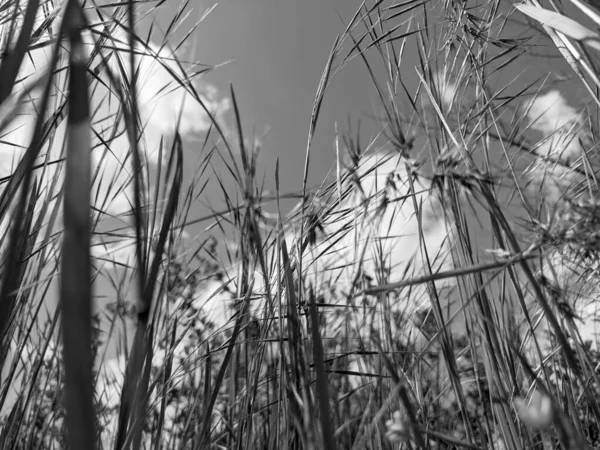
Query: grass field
(438, 290)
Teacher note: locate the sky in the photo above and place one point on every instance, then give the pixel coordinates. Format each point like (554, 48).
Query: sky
(278, 50)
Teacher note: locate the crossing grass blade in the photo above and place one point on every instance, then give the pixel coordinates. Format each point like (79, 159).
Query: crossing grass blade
(11, 61)
(204, 429)
(20, 228)
(562, 24)
(132, 413)
(133, 398)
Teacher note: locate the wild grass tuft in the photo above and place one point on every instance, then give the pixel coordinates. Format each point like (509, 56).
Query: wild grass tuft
(438, 291)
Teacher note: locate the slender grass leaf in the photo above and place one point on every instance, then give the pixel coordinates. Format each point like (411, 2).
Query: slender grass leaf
(562, 24)
(12, 59)
(20, 228)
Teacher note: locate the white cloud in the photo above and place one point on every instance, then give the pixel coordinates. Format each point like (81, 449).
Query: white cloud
(159, 97)
(116, 254)
(446, 88)
(395, 233)
(214, 302)
(550, 111)
(552, 182)
(560, 125)
(162, 99)
(576, 290)
(110, 381)
(561, 129)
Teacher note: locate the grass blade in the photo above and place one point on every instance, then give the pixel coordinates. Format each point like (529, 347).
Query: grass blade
(562, 24)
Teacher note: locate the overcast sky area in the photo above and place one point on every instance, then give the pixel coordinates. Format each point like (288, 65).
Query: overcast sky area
(279, 50)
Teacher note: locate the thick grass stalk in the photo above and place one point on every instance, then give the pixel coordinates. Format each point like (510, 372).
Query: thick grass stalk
(322, 384)
(76, 294)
